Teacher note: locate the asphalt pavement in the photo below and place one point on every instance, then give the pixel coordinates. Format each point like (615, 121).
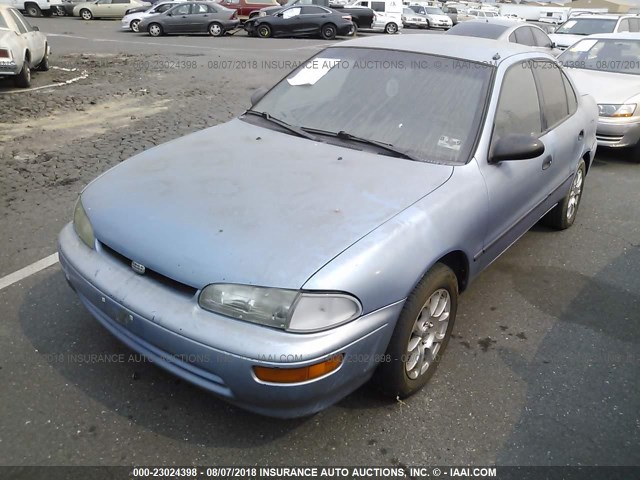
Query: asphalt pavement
(543, 368)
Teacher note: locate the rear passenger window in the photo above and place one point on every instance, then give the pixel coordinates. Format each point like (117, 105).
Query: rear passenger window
(518, 107)
(634, 24)
(554, 97)
(312, 10)
(524, 36)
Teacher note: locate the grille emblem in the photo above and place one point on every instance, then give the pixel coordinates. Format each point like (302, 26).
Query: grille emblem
(138, 267)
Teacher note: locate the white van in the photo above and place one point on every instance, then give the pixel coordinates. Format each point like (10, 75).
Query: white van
(388, 14)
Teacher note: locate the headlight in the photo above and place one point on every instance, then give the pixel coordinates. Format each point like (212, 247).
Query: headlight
(286, 309)
(262, 14)
(82, 225)
(626, 110)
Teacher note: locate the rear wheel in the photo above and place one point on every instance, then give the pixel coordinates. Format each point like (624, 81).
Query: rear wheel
(155, 30)
(216, 29)
(134, 25)
(43, 66)
(23, 79)
(564, 214)
(391, 28)
(264, 30)
(421, 334)
(86, 14)
(328, 31)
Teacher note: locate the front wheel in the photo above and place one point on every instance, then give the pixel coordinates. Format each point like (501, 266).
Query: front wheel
(134, 26)
(216, 29)
(328, 31)
(155, 30)
(33, 10)
(264, 31)
(23, 79)
(86, 14)
(421, 334)
(564, 214)
(391, 28)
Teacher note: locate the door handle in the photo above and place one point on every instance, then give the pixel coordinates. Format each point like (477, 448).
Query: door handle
(581, 135)
(546, 163)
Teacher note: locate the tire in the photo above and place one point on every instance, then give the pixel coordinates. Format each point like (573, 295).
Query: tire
(564, 214)
(33, 10)
(411, 363)
(23, 79)
(355, 29)
(86, 14)
(390, 28)
(328, 31)
(263, 30)
(134, 26)
(635, 153)
(155, 30)
(43, 66)
(216, 29)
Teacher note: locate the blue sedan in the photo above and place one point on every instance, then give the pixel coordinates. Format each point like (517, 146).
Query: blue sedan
(286, 257)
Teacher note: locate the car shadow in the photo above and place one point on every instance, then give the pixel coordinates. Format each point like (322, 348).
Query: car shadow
(582, 381)
(78, 348)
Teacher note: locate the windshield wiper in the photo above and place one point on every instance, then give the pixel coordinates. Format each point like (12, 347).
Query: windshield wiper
(342, 135)
(281, 123)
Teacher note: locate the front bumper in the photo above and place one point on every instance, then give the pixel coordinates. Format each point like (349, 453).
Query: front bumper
(618, 133)
(218, 353)
(125, 23)
(414, 23)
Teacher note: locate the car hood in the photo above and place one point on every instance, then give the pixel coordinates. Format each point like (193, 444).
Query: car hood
(243, 204)
(565, 39)
(606, 87)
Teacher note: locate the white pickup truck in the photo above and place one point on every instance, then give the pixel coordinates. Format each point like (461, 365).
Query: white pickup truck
(34, 8)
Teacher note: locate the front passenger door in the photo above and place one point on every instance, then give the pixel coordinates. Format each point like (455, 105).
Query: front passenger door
(517, 189)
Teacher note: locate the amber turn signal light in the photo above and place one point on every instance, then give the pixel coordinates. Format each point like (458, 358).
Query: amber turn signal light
(295, 375)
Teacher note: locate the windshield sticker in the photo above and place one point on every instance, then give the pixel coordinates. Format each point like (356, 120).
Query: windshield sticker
(313, 71)
(583, 46)
(449, 142)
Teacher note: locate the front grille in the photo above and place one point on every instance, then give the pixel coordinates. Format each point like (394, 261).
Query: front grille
(609, 138)
(179, 287)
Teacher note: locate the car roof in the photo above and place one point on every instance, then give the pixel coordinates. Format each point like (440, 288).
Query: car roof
(467, 48)
(605, 16)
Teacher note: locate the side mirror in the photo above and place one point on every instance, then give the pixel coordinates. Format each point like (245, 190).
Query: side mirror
(279, 14)
(553, 45)
(35, 29)
(169, 14)
(515, 146)
(258, 94)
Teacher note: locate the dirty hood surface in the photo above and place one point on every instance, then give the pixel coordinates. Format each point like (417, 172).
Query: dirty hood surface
(244, 204)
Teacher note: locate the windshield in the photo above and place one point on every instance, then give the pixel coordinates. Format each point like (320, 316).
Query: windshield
(587, 26)
(614, 55)
(434, 11)
(366, 93)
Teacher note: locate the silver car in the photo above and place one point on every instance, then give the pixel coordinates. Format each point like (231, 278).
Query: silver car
(190, 17)
(608, 68)
(22, 47)
(286, 257)
(507, 31)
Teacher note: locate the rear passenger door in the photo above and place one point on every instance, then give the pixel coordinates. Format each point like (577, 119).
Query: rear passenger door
(563, 128)
(177, 20)
(200, 18)
(311, 19)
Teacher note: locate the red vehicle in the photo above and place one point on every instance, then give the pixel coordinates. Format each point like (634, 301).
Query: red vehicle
(248, 8)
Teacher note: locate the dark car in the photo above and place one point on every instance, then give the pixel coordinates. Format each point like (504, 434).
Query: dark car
(191, 17)
(301, 21)
(361, 17)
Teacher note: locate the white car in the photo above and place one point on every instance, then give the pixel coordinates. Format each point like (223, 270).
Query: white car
(435, 17)
(577, 28)
(22, 47)
(131, 20)
(384, 22)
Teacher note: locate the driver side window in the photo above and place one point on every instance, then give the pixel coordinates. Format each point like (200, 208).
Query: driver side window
(518, 107)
